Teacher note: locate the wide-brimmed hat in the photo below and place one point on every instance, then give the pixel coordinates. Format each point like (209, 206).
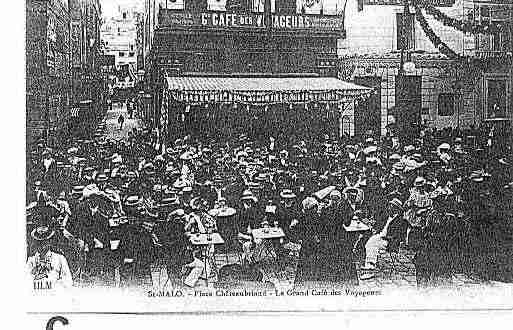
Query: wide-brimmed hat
(187, 156)
(101, 177)
(176, 214)
(421, 211)
(90, 190)
(77, 190)
(116, 159)
(72, 150)
(335, 193)
(419, 182)
(287, 194)
(197, 202)
(396, 202)
(42, 233)
(132, 200)
(149, 168)
(248, 195)
(169, 201)
(370, 150)
(395, 157)
(309, 203)
(444, 146)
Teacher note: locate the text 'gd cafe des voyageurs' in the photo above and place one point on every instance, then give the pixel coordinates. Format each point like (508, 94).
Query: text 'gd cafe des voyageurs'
(250, 20)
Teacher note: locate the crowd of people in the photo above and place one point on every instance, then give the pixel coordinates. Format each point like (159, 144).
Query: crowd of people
(97, 204)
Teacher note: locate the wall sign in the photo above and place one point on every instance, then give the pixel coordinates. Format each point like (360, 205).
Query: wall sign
(252, 21)
(437, 3)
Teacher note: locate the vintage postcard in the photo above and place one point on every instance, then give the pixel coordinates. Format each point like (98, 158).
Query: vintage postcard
(243, 156)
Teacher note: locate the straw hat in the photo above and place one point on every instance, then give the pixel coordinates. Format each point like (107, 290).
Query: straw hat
(444, 146)
(132, 201)
(248, 195)
(309, 203)
(419, 182)
(42, 233)
(287, 194)
(397, 203)
(370, 149)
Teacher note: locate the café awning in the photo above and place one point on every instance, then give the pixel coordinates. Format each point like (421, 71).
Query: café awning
(264, 90)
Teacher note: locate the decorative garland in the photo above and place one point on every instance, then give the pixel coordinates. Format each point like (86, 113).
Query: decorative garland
(435, 40)
(466, 27)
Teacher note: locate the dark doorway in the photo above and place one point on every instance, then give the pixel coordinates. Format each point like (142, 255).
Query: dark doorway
(367, 114)
(408, 100)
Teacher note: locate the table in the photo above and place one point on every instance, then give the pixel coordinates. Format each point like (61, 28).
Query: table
(273, 232)
(268, 234)
(222, 212)
(356, 226)
(202, 241)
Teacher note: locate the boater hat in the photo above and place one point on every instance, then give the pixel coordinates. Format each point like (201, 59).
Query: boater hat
(397, 203)
(287, 194)
(42, 233)
(419, 182)
(132, 201)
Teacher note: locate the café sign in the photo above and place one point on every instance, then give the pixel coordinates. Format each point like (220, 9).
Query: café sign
(252, 21)
(437, 3)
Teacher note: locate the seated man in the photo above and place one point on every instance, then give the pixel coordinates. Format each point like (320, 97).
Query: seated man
(47, 269)
(390, 234)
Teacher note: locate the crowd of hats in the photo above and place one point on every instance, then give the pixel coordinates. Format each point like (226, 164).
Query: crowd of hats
(205, 173)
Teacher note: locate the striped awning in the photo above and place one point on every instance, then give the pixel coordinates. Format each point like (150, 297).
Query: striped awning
(263, 89)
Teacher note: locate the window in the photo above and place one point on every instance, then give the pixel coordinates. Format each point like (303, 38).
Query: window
(496, 98)
(131, 54)
(405, 27)
(446, 104)
(121, 54)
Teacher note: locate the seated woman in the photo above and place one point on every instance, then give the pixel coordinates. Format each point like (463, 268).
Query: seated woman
(388, 237)
(199, 220)
(249, 219)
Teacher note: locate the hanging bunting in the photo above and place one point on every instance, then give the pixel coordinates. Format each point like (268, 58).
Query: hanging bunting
(484, 27)
(435, 40)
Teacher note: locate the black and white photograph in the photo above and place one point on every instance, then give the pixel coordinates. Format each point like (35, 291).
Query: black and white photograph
(268, 155)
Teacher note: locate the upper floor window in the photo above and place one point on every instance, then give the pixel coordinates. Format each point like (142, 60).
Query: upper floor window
(446, 104)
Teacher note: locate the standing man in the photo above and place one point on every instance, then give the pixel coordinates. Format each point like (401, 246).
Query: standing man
(121, 120)
(47, 269)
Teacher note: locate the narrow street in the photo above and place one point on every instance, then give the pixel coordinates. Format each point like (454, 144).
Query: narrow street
(112, 130)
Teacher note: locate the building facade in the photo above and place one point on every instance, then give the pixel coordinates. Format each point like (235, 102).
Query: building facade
(47, 68)
(86, 51)
(119, 36)
(436, 90)
(239, 38)
(62, 46)
(493, 54)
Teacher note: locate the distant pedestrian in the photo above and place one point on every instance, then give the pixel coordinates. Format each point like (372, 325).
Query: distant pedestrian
(121, 120)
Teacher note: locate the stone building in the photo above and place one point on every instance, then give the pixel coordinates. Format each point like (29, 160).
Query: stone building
(437, 91)
(47, 68)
